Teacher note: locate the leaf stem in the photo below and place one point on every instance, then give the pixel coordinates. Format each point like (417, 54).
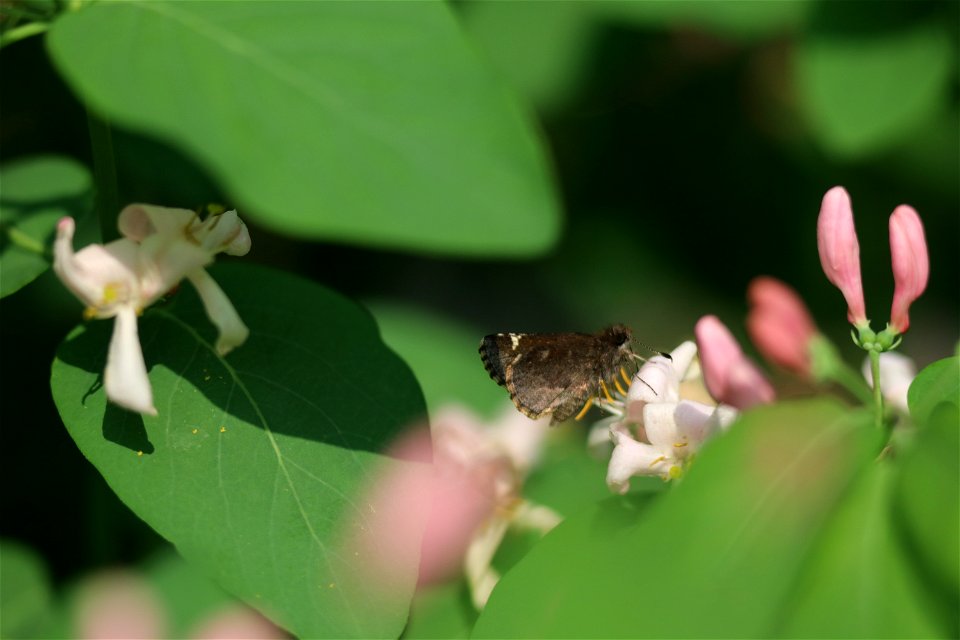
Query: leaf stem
(22, 32)
(106, 200)
(22, 240)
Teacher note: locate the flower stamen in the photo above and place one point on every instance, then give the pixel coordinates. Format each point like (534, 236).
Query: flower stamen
(616, 383)
(606, 392)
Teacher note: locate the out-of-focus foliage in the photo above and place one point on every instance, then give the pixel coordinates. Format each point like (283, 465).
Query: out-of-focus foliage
(305, 111)
(25, 593)
(35, 194)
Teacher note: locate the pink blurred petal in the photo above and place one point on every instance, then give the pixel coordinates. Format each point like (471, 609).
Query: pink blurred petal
(730, 377)
(780, 324)
(911, 264)
(118, 604)
(238, 623)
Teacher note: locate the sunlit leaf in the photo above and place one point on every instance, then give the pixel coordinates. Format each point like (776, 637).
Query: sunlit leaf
(367, 122)
(938, 382)
(254, 466)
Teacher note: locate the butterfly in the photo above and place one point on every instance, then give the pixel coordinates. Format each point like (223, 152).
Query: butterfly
(558, 374)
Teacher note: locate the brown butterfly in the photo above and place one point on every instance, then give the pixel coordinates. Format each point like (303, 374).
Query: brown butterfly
(556, 374)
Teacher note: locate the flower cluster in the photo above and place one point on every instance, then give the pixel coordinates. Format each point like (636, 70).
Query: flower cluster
(656, 428)
(159, 248)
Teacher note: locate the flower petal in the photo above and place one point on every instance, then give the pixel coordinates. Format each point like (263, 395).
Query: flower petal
(101, 276)
(897, 372)
(125, 378)
(696, 423)
(139, 221)
(163, 261)
(233, 332)
(911, 264)
(225, 233)
(660, 425)
(519, 437)
(631, 458)
(840, 251)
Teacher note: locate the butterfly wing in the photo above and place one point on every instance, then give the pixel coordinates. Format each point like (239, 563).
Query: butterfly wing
(544, 373)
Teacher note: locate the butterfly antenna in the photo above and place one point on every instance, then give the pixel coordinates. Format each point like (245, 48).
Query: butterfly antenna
(649, 348)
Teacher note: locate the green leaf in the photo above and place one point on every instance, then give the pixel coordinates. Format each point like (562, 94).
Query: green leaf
(444, 611)
(366, 122)
(859, 582)
(188, 595)
(37, 192)
(938, 382)
(25, 599)
(255, 465)
(443, 355)
(715, 556)
(737, 19)
(928, 504)
(866, 92)
(541, 48)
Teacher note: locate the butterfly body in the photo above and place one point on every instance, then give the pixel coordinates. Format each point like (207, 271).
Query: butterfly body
(555, 373)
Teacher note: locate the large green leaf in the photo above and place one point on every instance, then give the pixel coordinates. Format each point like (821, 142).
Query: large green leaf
(443, 355)
(865, 92)
(715, 557)
(254, 466)
(369, 122)
(37, 192)
(928, 504)
(25, 598)
(859, 582)
(938, 382)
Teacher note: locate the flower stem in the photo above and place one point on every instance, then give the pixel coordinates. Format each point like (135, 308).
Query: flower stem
(877, 395)
(107, 202)
(852, 382)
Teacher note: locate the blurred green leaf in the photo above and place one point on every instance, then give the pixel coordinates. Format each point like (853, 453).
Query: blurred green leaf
(254, 465)
(928, 503)
(740, 19)
(368, 122)
(443, 611)
(443, 355)
(858, 583)
(540, 47)
(716, 556)
(37, 191)
(188, 595)
(863, 92)
(938, 382)
(25, 598)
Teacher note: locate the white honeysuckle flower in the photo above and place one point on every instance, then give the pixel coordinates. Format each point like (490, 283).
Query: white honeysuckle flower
(120, 279)
(653, 430)
(219, 233)
(502, 454)
(897, 372)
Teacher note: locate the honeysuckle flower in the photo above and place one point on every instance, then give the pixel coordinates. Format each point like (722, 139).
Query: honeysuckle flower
(655, 431)
(219, 233)
(780, 324)
(911, 264)
(120, 279)
(470, 495)
(840, 252)
(897, 372)
(729, 375)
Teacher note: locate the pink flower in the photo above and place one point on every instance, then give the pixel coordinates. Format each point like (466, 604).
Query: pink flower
(780, 325)
(730, 377)
(840, 252)
(911, 264)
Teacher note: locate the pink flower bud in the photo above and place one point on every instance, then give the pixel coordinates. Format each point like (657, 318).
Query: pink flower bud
(730, 377)
(780, 325)
(840, 251)
(911, 264)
